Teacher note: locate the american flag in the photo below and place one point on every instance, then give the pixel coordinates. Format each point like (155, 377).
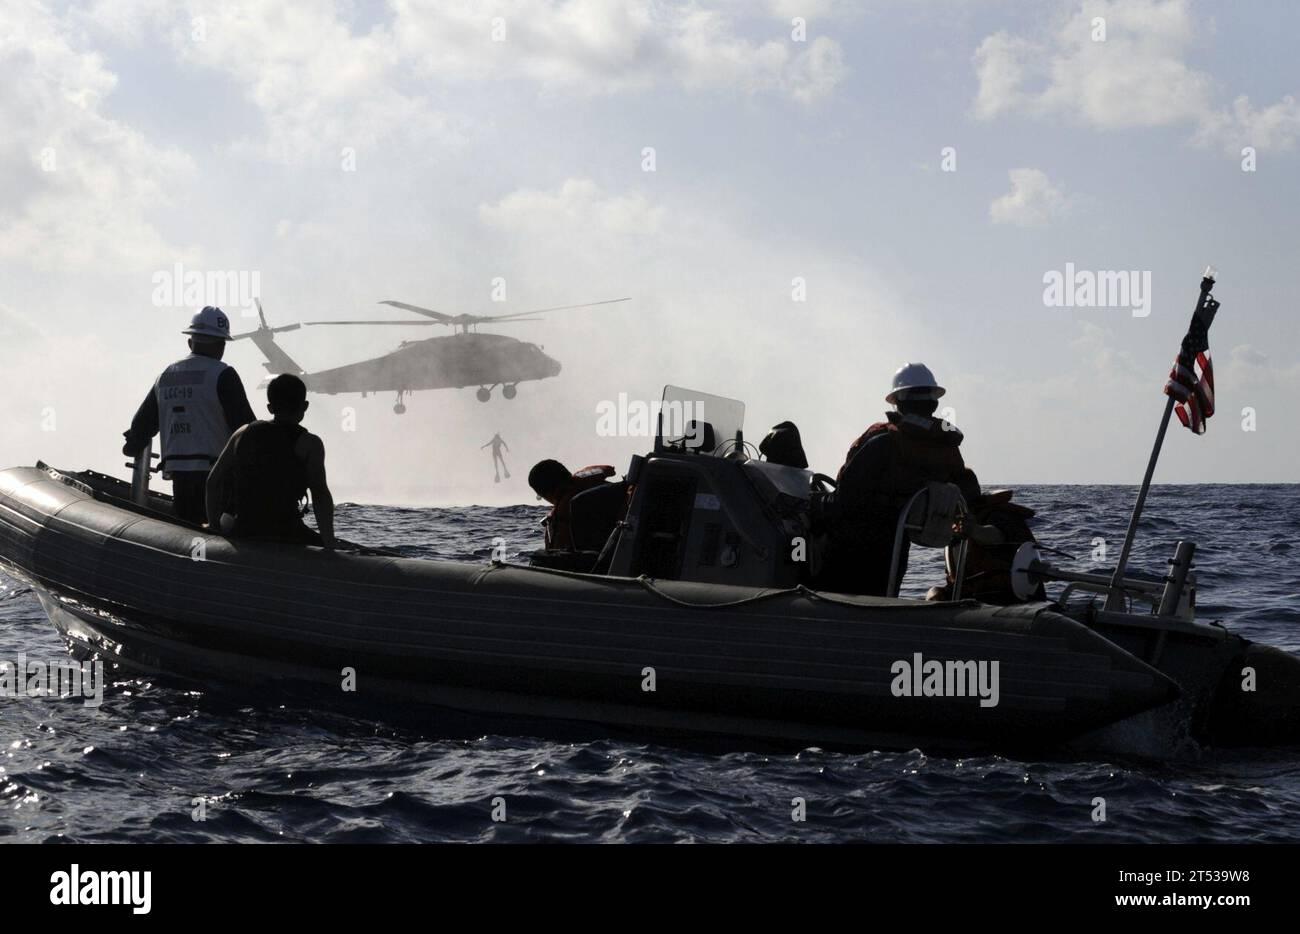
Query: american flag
(1191, 381)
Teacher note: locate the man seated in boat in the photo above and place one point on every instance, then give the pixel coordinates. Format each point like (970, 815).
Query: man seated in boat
(553, 482)
(884, 468)
(265, 471)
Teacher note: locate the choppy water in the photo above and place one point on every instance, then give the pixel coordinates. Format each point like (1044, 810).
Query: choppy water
(271, 769)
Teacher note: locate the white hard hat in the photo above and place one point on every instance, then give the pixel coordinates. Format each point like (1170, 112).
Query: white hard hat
(211, 323)
(916, 381)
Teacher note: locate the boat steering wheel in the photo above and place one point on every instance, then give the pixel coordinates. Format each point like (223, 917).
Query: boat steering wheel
(820, 483)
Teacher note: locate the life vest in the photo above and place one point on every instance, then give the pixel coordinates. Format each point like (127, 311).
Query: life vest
(191, 421)
(856, 446)
(269, 480)
(558, 523)
(922, 448)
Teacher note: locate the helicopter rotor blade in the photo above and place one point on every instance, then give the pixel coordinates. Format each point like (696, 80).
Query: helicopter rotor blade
(439, 316)
(264, 330)
(404, 322)
(538, 311)
(400, 323)
(468, 319)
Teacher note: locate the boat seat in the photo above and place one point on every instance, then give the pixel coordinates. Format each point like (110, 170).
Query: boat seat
(594, 513)
(927, 521)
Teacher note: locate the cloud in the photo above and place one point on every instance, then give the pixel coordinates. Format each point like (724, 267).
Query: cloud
(1137, 77)
(601, 47)
(319, 85)
(578, 205)
(1032, 202)
(78, 188)
(322, 83)
(1276, 127)
(1248, 368)
(15, 327)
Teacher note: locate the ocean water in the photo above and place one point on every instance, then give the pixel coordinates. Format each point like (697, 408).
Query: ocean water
(267, 768)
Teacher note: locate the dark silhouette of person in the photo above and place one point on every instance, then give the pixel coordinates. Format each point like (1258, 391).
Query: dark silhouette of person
(195, 404)
(553, 482)
(889, 463)
(783, 446)
(498, 462)
(265, 471)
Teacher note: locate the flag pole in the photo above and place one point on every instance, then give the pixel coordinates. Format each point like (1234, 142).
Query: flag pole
(1115, 597)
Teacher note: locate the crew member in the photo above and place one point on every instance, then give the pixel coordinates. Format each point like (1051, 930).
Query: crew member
(196, 403)
(265, 471)
(783, 446)
(885, 467)
(553, 482)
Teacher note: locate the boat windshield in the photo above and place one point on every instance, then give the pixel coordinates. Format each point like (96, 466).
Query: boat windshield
(700, 422)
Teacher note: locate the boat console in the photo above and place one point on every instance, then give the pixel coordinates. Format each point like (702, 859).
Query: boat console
(704, 508)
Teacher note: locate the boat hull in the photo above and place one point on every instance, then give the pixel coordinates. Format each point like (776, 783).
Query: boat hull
(787, 666)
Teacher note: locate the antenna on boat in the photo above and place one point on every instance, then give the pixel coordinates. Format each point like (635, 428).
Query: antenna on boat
(1204, 314)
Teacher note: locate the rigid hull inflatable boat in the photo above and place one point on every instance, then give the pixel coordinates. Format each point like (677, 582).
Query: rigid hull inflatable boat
(691, 618)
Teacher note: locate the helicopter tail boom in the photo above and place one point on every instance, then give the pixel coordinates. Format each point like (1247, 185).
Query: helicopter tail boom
(277, 361)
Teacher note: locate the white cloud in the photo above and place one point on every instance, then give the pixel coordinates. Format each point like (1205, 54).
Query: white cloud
(1275, 127)
(78, 187)
(1137, 77)
(319, 85)
(595, 47)
(577, 206)
(1033, 200)
(322, 83)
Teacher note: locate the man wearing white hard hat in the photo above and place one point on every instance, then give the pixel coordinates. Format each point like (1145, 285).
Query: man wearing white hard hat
(884, 467)
(195, 405)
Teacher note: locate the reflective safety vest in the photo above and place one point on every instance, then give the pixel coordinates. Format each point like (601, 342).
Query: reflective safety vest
(191, 422)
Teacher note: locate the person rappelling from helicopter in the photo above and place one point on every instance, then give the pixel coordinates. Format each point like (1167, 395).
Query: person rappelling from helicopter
(498, 462)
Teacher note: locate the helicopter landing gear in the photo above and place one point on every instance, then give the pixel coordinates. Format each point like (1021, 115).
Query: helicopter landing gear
(509, 391)
(484, 393)
(399, 408)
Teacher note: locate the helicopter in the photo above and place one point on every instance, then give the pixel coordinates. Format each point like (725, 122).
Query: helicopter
(463, 358)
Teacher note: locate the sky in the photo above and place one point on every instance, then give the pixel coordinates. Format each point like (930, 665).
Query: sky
(798, 196)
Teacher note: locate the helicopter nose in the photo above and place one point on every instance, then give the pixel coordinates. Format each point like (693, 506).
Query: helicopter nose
(553, 366)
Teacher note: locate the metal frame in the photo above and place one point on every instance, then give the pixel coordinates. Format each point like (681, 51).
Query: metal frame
(959, 572)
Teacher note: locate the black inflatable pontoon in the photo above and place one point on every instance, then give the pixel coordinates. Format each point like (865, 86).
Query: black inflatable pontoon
(785, 665)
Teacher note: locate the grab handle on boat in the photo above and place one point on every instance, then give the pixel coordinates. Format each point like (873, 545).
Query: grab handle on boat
(140, 470)
(1172, 598)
